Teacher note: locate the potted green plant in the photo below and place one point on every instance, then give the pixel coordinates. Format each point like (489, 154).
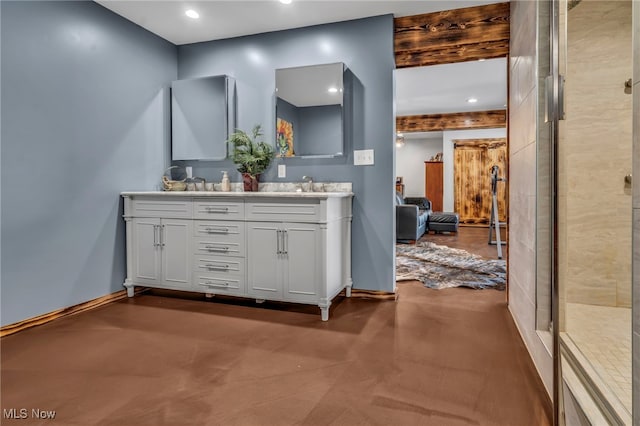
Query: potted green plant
(251, 156)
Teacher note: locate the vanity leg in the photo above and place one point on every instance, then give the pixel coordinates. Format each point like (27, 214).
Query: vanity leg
(324, 312)
(349, 285)
(259, 300)
(130, 288)
(324, 309)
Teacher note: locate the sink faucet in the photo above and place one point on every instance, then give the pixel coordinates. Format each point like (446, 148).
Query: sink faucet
(310, 180)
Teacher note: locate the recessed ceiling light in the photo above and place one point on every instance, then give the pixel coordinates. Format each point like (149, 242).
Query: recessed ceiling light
(285, 1)
(481, 60)
(333, 90)
(472, 100)
(399, 135)
(192, 14)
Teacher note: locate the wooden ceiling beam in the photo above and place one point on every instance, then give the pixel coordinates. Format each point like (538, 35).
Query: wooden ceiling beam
(452, 121)
(450, 36)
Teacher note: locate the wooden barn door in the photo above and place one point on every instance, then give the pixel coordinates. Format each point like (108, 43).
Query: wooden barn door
(473, 159)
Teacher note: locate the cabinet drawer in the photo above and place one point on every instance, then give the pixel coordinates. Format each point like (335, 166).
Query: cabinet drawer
(149, 207)
(220, 266)
(300, 211)
(209, 246)
(218, 209)
(219, 231)
(213, 283)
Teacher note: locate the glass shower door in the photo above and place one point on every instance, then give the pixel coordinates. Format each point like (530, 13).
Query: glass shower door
(594, 200)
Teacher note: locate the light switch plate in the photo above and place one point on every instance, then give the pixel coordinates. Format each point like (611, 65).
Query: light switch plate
(363, 157)
(282, 170)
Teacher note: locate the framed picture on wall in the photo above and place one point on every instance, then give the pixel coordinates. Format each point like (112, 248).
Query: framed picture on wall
(284, 138)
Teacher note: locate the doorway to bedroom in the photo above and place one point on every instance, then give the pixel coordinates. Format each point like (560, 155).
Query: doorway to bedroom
(460, 167)
(451, 153)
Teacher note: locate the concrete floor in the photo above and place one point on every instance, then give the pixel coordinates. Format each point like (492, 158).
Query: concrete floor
(433, 357)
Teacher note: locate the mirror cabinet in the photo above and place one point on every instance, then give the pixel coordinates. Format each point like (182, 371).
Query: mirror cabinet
(310, 111)
(203, 114)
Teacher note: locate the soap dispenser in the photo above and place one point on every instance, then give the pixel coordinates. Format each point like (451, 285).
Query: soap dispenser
(226, 186)
(191, 184)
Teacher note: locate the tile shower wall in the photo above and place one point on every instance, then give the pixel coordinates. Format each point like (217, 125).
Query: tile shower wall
(522, 187)
(596, 267)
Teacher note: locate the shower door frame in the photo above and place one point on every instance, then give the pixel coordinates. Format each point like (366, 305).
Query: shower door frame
(555, 112)
(553, 116)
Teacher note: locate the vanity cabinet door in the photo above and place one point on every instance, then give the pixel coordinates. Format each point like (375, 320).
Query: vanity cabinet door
(284, 262)
(264, 246)
(302, 262)
(146, 251)
(176, 248)
(161, 252)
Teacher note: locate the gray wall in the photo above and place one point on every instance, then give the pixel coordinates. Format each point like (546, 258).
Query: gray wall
(84, 116)
(366, 47)
(410, 163)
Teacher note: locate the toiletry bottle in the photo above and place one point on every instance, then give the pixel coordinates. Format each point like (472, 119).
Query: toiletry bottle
(226, 186)
(191, 184)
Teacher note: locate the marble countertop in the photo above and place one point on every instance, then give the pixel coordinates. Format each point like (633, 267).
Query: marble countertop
(322, 190)
(258, 194)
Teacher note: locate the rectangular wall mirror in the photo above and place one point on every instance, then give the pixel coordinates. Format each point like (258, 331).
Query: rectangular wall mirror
(309, 111)
(202, 116)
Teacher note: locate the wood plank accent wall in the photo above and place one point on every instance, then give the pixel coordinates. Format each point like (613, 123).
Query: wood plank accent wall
(450, 36)
(452, 121)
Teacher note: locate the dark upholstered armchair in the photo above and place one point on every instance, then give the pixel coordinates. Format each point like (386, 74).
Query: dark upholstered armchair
(412, 216)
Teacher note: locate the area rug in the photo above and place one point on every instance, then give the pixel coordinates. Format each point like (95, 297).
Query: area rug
(444, 267)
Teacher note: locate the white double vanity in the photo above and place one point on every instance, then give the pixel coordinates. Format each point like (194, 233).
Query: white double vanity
(281, 246)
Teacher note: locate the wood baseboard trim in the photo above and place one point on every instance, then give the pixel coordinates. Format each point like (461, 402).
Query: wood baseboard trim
(373, 294)
(65, 312)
